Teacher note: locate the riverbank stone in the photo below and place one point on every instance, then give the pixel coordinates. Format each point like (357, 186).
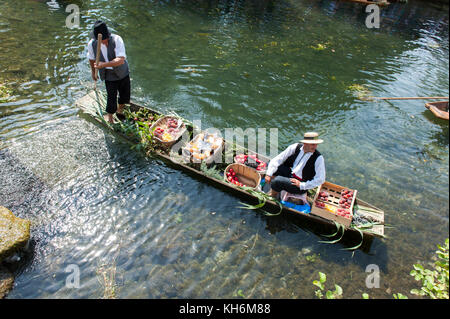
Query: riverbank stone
(14, 233)
(6, 282)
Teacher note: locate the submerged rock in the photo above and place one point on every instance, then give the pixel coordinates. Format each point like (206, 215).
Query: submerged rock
(6, 282)
(14, 233)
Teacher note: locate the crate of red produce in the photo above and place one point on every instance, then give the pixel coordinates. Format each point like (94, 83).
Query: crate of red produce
(167, 130)
(334, 202)
(241, 175)
(252, 161)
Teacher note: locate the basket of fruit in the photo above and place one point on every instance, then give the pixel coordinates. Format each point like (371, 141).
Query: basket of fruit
(204, 147)
(252, 161)
(334, 202)
(242, 175)
(167, 130)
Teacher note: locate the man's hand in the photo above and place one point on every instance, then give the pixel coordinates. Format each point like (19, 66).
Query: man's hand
(268, 178)
(100, 65)
(295, 182)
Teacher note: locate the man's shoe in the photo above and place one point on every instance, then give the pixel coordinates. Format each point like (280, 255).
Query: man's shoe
(120, 116)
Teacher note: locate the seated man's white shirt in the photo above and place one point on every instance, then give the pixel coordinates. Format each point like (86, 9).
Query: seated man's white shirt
(298, 166)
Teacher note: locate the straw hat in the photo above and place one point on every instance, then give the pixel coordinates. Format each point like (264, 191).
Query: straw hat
(311, 138)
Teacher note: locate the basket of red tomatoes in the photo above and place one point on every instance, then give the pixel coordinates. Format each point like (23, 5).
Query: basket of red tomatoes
(252, 161)
(242, 175)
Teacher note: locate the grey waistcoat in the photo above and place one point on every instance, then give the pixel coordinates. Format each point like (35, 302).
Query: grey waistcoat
(118, 72)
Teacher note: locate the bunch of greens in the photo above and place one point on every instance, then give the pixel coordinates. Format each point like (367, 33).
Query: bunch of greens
(262, 199)
(138, 125)
(341, 229)
(211, 172)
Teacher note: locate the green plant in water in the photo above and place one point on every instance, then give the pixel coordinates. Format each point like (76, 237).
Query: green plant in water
(329, 294)
(319, 47)
(360, 91)
(5, 93)
(311, 258)
(434, 282)
(106, 275)
(240, 293)
(399, 296)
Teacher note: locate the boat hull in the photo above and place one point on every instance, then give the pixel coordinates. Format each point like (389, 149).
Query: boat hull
(317, 224)
(439, 109)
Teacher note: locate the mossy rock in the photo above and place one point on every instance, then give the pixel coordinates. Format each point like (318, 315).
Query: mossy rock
(14, 233)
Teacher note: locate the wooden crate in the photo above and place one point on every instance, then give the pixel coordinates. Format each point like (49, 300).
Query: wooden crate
(162, 122)
(334, 196)
(370, 212)
(246, 175)
(216, 156)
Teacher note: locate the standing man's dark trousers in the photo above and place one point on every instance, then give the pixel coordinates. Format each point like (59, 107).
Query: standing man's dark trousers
(112, 88)
(282, 181)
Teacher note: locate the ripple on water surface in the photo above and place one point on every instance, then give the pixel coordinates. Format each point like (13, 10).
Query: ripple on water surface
(98, 204)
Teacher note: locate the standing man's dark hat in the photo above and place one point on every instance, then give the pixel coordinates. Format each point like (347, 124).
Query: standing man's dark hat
(100, 27)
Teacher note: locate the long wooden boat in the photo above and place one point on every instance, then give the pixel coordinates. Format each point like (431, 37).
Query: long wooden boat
(313, 223)
(439, 109)
(364, 2)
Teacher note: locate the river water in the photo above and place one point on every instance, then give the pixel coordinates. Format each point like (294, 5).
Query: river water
(152, 231)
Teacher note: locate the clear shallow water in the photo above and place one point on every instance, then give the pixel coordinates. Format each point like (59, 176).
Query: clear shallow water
(95, 202)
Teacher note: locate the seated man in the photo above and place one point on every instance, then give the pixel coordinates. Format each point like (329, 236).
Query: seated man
(298, 168)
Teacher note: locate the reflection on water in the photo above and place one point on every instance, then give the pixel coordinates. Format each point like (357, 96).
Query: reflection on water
(99, 204)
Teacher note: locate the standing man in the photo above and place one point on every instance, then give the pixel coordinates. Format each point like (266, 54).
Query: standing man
(113, 69)
(298, 168)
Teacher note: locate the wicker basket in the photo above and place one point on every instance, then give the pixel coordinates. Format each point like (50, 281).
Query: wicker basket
(261, 172)
(163, 123)
(246, 175)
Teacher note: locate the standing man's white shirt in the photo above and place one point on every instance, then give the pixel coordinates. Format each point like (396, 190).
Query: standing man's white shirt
(298, 166)
(119, 50)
